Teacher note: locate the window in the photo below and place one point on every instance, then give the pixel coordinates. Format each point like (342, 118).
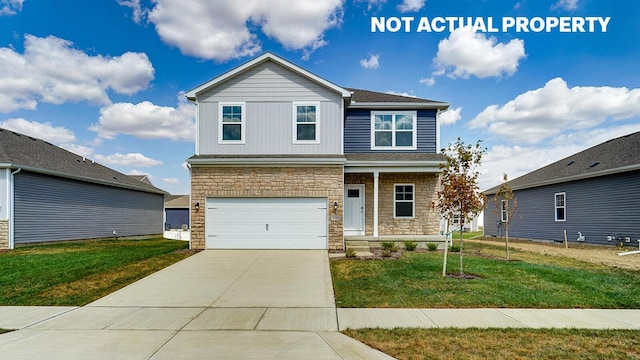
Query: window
(393, 130)
(561, 206)
(232, 128)
(305, 122)
(403, 203)
(504, 211)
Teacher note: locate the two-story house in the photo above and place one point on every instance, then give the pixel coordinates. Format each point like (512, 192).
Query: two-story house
(288, 160)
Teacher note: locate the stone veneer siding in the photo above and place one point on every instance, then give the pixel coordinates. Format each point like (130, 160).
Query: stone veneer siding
(317, 181)
(425, 222)
(4, 234)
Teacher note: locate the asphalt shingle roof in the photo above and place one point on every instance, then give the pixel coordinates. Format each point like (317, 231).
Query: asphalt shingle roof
(613, 156)
(31, 154)
(366, 96)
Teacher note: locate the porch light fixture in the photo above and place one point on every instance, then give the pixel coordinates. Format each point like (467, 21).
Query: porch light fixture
(335, 207)
(197, 206)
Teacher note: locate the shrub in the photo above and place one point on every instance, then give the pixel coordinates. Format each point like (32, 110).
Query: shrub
(388, 246)
(410, 245)
(432, 246)
(350, 253)
(454, 248)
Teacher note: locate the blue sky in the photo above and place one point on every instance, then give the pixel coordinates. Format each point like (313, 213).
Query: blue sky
(106, 80)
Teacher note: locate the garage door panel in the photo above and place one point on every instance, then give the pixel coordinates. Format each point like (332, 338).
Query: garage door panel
(266, 223)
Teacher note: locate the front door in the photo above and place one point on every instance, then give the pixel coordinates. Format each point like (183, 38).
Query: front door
(354, 209)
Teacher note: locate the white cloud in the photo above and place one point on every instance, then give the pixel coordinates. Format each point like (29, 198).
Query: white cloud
(428, 81)
(52, 71)
(566, 4)
(457, 56)
(545, 112)
(372, 62)
(131, 159)
(450, 116)
(228, 29)
(83, 151)
(185, 166)
(148, 121)
(518, 160)
(171, 180)
(10, 7)
(408, 94)
(411, 5)
(44, 131)
(138, 12)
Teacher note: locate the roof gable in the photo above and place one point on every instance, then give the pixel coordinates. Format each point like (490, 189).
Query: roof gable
(31, 154)
(268, 56)
(614, 156)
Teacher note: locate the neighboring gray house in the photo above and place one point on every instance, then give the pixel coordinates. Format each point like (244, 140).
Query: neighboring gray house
(50, 194)
(595, 192)
(288, 160)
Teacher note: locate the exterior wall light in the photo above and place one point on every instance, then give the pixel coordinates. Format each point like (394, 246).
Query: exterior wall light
(335, 207)
(197, 206)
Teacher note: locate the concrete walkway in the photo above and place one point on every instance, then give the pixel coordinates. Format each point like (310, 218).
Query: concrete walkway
(246, 305)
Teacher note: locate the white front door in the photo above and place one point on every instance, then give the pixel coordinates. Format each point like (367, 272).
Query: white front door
(354, 209)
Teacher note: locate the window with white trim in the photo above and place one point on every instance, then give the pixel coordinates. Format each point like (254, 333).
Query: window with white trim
(403, 201)
(561, 206)
(504, 211)
(305, 122)
(393, 130)
(231, 127)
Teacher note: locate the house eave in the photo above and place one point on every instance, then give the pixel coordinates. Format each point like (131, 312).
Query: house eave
(393, 166)
(266, 161)
(571, 178)
(400, 105)
(79, 178)
(268, 56)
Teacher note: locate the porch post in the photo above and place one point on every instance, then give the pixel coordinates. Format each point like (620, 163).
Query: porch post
(376, 176)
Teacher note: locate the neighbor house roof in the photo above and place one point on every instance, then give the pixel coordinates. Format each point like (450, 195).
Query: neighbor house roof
(266, 57)
(18, 151)
(176, 201)
(372, 99)
(614, 156)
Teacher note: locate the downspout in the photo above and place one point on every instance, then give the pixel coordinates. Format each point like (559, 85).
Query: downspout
(11, 209)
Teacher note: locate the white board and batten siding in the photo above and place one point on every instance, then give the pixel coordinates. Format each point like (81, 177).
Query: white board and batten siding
(266, 223)
(269, 113)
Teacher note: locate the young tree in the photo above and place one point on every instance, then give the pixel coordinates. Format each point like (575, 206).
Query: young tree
(506, 206)
(459, 192)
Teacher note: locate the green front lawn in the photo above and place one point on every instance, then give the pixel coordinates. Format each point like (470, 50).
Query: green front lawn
(512, 344)
(76, 273)
(531, 281)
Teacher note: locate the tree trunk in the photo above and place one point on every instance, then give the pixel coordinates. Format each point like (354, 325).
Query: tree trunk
(446, 248)
(461, 261)
(506, 233)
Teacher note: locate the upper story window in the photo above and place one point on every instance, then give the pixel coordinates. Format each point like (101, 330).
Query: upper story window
(232, 123)
(561, 206)
(305, 122)
(393, 130)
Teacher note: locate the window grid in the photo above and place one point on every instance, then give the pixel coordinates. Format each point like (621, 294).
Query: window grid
(232, 125)
(560, 203)
(305, 122)
(391, 130)
(404, 201)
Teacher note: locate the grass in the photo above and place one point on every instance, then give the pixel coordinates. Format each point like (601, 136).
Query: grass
(471, 344)
(77, 273)
(531, 281)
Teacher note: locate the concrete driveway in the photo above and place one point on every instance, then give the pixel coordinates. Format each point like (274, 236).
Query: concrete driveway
(217, 304)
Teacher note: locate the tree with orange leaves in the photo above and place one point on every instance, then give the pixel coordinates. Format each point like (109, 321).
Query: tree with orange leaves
(459, 191)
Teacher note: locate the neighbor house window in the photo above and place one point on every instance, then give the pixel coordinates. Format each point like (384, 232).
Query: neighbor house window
(232, 123)
(393, 130)
(305, 122)
(403, 203)
(561, 206)
(504, 211)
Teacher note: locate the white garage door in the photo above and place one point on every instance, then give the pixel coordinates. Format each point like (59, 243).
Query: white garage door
(266, 223)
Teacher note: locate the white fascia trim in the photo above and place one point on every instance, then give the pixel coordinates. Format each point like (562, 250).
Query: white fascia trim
(192, 94)
(399, 105)
(348, 169)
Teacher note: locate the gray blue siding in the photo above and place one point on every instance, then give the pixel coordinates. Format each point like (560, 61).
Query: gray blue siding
(596, 207)
(51, 209)
(357, 132)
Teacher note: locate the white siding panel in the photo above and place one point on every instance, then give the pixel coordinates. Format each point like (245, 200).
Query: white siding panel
(4, 193)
